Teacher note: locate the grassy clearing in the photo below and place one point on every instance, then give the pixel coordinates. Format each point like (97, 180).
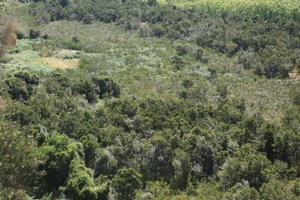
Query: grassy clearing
(24, 57)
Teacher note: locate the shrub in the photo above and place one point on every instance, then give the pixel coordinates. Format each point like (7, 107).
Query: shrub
(18, 89)
(125, 183)
(247, 165)
(19, 159)
(242, 191)
(80, 184)
(107, 87)
(178, 62)
(181, 50)
(33, 34)
(276, 190)
(20, 35)
(59, 152)
(157, 30)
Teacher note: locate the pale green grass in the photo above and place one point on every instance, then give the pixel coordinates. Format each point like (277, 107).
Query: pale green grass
(253, 8)
(22, 57)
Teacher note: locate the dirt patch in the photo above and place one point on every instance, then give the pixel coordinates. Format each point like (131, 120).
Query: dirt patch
(294, 74)
(59, 63)
(2, 103)
(65, 53)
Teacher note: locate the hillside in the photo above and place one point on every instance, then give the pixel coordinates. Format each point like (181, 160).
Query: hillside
(268, 9)
(132, 99)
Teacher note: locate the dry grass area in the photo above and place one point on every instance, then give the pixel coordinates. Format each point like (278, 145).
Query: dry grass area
(2, 103)
(294, 75)
(59, 63)
(62, 53)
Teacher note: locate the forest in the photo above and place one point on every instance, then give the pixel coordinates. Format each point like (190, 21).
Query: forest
(149, 99)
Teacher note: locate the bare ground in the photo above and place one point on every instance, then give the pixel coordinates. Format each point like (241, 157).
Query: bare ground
(60, 63)
(2, 103)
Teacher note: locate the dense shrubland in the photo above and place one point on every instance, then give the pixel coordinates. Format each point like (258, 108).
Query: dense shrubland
(159, 107)
(91, 151)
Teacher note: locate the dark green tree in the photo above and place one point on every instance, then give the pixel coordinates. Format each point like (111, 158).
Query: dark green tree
(125, 183)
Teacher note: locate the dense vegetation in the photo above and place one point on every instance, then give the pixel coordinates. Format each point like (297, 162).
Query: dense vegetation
(167, 102)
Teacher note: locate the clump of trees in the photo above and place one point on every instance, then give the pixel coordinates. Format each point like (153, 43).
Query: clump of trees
(82, 137)
(126, 146)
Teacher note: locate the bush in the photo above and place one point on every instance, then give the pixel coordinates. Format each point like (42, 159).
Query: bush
(33, 34)
(242, 191)
(178, 62)
(86, 88)
(125, 183)
(181, 50)
(18, 89)
(20, 35)
(107, 87)
(59, 152)
(19, 159)
(276, 190)
(157, 30)
(247, 165)
(80, 184)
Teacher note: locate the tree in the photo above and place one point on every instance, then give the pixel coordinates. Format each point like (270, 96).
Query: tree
(201, 154)
(86, 88)
(182, 166)
(90, 145)
(19, 160)
(18, 89)
(276, 190)
(59, 151)
(21, 85)
(248, 165)
(157, 159)
(242, 191)
(80, 184)
(125, 183)
(106, 87)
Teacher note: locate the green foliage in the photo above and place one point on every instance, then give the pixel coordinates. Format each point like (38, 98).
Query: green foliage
(18, 161)
(86, 88)
(158, 159)
(181, 164)
(106, 87)
(125, 183)
(18, 90)
(21, 85)
(178, 62)
(33, 34)
(242, 191)
(276, 190)
(296, 98)
(157, 30)
(59, 151)
(90, 145)
(247, 165)
(105, 164)
(80, 184)
(196, 108)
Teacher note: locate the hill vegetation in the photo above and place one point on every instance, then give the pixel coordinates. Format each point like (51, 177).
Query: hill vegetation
(267, 9)
(132, 99)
